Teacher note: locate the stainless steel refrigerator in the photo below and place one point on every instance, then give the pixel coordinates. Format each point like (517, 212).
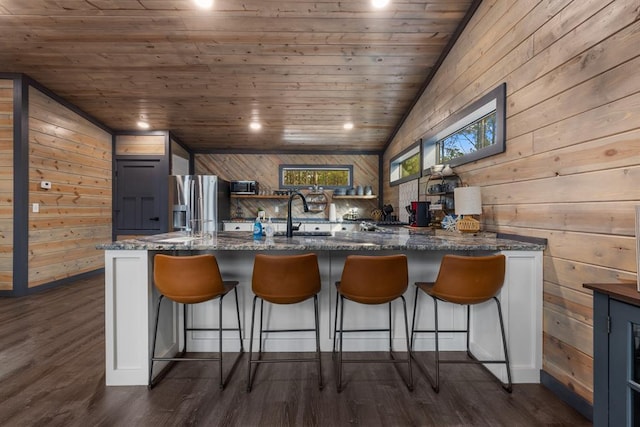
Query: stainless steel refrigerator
(198, 203)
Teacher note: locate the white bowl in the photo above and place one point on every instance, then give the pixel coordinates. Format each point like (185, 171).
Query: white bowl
(436, 169)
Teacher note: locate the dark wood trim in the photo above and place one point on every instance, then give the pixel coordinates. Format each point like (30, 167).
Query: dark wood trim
(10, 76)
(165, 163)
(380, 181)
(113, 185)
(141, 132)
(293, 152)
(178, 141)
(20, 187)
(452, 41)
(566, 395)
(139, 157)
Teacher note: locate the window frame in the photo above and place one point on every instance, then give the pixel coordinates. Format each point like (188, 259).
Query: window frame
(495, 100)
(396, 161)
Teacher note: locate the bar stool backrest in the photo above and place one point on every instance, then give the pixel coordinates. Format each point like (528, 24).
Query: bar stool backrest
(374, 279)
(285, 279)
(469, 279)
(188, 279)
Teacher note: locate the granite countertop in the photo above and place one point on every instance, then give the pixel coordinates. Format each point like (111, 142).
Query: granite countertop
(393, 239)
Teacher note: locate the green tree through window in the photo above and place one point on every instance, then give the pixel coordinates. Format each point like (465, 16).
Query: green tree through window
(306, 176)
(410, 166)
(472, 137)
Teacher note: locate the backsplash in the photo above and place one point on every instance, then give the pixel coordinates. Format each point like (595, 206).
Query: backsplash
(264, 169)
(277, 208)
(407, 193)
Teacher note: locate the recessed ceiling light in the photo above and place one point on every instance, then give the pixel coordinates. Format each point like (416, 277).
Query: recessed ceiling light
(379, 3)
(204, 4)
(143, 125)
(255, 126)
(348, 126)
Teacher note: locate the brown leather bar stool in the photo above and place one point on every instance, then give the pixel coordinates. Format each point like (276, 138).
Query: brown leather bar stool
(284, 279)
(191, 280)
(464, 280)
(372, 280)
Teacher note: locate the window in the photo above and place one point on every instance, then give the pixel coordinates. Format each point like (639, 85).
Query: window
(405, 166)
(473, 137)
(301, 176)
(475, 132)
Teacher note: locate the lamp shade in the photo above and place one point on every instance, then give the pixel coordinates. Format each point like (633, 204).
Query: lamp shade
(467, 200)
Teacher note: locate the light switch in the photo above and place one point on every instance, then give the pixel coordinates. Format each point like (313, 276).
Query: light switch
(36, 207)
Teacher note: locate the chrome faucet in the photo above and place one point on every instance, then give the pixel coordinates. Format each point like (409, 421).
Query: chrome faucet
(306, 209)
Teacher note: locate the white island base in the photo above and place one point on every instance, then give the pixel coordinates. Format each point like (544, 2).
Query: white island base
(131, 300)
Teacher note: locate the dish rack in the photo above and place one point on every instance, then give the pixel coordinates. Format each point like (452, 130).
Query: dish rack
(317, 201)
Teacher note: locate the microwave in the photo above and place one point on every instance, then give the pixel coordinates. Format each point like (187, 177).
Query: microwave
(244, 187)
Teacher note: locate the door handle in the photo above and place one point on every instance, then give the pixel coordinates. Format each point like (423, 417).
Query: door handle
(154, 218)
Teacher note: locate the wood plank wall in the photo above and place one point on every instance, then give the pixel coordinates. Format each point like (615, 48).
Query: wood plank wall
(140, 145)
(264, 169)
(572, 165)
(75, 155)
(6, 184)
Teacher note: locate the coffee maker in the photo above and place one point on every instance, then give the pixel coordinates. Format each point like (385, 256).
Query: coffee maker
(419, 214)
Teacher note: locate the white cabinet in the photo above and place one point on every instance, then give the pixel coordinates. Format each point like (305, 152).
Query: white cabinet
(315, 226)
(281, 227)
(237, 226)
(345, 226)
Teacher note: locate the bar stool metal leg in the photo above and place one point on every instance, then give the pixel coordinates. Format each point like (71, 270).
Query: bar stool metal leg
(318, 354)
(406, 330)
(219, 342)
(335, 324)
(509, 386)
(339, 380)
(253, 313)
(390, 336)
(238, 316)
(436, 386)
(413, 320)
(153, 345)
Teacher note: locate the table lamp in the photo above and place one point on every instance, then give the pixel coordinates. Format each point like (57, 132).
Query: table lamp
(468, 201)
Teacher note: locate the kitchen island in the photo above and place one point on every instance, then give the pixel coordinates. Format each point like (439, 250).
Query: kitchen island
(131, 298)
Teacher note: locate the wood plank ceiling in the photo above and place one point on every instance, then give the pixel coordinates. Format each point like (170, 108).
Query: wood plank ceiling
(301, 68)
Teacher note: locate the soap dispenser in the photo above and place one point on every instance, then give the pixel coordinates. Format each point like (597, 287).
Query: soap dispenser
(257, 229)
(268, 229)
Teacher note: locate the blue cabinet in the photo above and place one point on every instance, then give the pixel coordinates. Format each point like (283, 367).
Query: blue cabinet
(616, 343)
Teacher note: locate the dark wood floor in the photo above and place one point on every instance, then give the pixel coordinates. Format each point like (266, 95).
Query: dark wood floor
(52, 373)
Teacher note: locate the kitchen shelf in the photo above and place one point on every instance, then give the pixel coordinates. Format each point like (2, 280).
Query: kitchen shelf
(265, 196)
(356, 197)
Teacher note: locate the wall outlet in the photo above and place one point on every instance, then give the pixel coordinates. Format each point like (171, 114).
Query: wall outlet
(36, 208)
(45, 184)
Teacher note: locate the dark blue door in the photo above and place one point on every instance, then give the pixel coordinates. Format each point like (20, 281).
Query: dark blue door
(139, 207)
